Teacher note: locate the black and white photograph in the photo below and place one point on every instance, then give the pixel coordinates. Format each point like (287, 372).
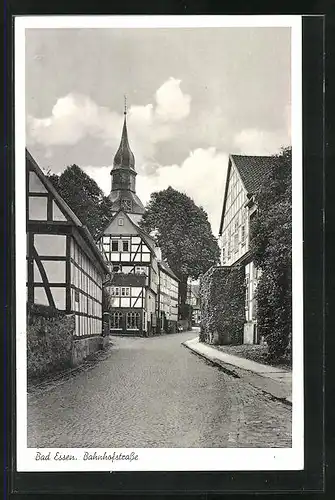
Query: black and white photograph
(159, 243)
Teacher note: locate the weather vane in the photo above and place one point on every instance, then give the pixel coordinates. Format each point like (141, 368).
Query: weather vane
(125, 104)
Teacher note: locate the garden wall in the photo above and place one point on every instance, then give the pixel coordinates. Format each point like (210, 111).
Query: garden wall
(222, 303)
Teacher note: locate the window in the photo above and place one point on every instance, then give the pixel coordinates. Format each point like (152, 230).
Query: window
(236, 242)
(125, 246)
(125, 292)
(116, 320)
(115, 245)
(120, 221)
(133, 320)
(116, 269)
(140, 270)
(115, 291)
(243, 234)
(126, 205)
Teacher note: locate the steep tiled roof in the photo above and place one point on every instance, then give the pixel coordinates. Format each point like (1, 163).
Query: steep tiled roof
(253, 169)
(164, 265)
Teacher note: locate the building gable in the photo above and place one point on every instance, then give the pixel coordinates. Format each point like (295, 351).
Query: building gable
(121, 224)
(234, 224)
(45, 206)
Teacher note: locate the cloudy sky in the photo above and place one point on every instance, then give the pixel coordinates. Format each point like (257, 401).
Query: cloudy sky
(194, 96)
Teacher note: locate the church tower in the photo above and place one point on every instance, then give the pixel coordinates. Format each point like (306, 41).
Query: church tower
(123, 192)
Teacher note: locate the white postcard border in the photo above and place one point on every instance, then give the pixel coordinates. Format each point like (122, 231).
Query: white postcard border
(157, 459)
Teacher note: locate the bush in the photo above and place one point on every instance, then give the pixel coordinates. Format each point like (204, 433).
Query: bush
(222, 295)
(271, 246)
(49, 341)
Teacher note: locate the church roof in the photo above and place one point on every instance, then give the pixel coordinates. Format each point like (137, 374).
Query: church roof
(124, 156)
(117, 195)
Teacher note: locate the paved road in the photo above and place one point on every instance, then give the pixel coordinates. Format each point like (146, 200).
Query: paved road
(155, 393)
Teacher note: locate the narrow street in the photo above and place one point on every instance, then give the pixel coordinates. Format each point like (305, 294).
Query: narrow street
(153, 392)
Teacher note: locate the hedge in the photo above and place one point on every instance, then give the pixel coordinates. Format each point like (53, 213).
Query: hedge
(222, 302)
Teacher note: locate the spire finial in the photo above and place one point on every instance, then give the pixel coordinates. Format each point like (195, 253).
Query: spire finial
(125, 105)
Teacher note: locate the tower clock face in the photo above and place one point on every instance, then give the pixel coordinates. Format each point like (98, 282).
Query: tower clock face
(126, 205)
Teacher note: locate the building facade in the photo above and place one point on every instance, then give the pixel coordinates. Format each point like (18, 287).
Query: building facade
(193, 299)
(65, 269)
(168, 297)
(133, 258)
(244, 176)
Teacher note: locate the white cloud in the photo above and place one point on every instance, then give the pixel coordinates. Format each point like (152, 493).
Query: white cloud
(201, 176)
(73, 117)
(172, 103)
(76, 116)
(260, 142)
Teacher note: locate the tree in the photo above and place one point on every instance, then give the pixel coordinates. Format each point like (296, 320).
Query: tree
(84, 197)
(183, 232)
(271, 246)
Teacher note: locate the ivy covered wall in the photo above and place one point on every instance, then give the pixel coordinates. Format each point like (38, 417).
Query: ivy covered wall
(222, 302)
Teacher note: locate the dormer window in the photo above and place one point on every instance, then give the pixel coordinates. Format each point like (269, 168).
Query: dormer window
(121, 221)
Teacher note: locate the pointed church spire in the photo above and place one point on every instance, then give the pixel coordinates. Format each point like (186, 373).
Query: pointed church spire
(123, 192)
(124, 157)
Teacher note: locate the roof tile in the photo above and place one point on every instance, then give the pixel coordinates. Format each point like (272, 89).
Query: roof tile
(253, 170)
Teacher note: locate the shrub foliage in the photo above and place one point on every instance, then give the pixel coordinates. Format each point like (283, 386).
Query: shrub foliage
(271, 245)
(222, 292)
(184, 234)
(84, 197)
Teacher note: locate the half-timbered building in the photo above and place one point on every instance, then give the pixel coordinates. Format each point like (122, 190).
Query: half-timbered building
(193, 299)
(168, 298)
(244, 176)
(65, 269)
(132, 257)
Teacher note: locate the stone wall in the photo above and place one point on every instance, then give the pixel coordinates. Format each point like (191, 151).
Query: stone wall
(83, 348)
(49, 341)
(222, 297)
(51, 344)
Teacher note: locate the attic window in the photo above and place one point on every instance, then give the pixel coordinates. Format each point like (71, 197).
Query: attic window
(120, 221)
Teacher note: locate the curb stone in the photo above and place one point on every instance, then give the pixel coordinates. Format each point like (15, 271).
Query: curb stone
(223, 366)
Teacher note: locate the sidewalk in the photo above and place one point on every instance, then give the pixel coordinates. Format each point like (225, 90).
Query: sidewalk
(272, 380)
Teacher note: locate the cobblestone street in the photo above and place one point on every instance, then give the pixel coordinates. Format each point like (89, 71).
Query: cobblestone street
(153, 392)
